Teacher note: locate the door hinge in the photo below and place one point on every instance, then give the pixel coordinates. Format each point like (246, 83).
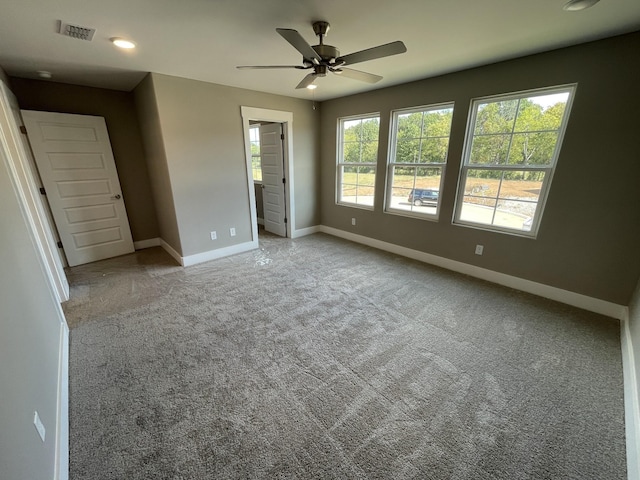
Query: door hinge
(284, 180)
(285, 219)
(282, 136)
(42, 191)
(23, 129)
(59, 244)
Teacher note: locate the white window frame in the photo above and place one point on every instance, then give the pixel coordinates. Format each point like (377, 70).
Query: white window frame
(548, 169)
(340, 164)
(393, 138)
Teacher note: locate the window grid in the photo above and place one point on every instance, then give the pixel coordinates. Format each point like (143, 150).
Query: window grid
(421, 198)
(509, 212)
(356, 176)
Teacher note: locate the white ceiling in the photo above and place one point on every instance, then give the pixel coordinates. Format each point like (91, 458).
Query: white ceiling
(206, 39)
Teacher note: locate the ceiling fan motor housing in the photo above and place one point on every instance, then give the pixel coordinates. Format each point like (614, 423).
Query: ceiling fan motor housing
(327, 52)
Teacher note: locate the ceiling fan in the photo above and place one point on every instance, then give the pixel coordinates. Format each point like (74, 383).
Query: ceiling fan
(326, 58)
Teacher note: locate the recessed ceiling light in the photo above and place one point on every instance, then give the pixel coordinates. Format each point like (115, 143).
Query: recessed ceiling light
(44, 74)
(576, 5)
(312, 87)
(122, 43)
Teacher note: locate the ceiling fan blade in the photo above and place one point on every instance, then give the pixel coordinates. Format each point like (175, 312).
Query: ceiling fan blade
(380, 51)
(299, 43)
(358, 75)
(308, 80)
(256, 67)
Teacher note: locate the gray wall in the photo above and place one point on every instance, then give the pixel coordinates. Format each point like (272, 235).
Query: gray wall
(4, 78)
(634, 328)
(201, 127)
(119, 112)
(149, 121)
(590, 232)
(30, 326)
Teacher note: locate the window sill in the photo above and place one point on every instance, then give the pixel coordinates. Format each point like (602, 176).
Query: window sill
(416, 215)
(355, 205)
(489, 228)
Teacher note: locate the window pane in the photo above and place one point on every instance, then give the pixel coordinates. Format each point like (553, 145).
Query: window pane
(541, 112)
(254, 134)
(370, 129)
(256, 168)
(358, 185)
(489, 150)
(517, 193)
(482, 183)
(475, 212)
(408, 151)
(532, 148)
(434, 150)
(512, 214)
(369, 152)
(495, 117)
(522, 185)
(351, 152)
(415, 189)
(409, 126)
(351, 130)
(437, 123)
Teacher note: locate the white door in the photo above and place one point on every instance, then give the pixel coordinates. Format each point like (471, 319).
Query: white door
(76, 164)
(272, 159)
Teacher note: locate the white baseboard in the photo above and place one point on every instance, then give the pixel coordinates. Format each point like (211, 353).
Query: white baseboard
(218, 253)
(169, 249)
(631, 401)
(564, 296)
(210, 255)
(62, 439)
(150, 242)
(302, 232)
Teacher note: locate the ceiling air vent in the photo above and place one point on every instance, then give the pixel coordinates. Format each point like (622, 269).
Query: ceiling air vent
(76, 31)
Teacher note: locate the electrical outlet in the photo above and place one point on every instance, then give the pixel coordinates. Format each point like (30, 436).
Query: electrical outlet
(232, 232)
(479, 249)
(39, 426)
(353, 221)
(214, 235)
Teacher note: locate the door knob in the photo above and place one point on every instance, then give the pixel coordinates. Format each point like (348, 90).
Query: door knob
(116, 197)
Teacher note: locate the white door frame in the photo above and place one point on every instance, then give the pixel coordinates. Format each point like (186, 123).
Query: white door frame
(285, 118)
(24, 183)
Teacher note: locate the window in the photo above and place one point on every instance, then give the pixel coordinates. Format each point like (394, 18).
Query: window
(419, 146)
(357, 158)
(254, 139)
(510, 154)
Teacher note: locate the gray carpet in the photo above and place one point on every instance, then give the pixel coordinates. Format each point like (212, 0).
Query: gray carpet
(319, 358)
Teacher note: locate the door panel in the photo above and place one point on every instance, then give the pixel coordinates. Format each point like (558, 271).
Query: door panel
(75, 161)
(272, 160)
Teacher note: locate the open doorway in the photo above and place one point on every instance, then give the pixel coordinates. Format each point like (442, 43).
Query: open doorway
(269, 159)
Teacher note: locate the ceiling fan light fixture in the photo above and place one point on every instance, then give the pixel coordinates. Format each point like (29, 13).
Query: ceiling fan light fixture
(577, 5)
(312, 86)
(122, 43)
